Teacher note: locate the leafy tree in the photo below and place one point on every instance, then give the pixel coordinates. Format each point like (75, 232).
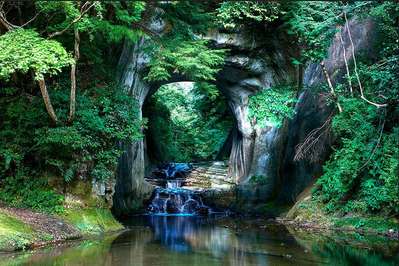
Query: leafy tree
(233, 14)
(180, 50)
(25, 50)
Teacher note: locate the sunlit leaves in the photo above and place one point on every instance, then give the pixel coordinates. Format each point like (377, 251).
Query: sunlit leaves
(271, 106)
(186, 123)
(192, 59)
(230, 14)
(24, 50)
(314, 24)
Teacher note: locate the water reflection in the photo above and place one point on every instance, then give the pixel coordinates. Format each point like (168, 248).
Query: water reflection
(182, 240)
(197, 240)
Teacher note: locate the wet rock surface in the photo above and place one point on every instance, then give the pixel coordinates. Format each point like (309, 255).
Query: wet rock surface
(202, 185)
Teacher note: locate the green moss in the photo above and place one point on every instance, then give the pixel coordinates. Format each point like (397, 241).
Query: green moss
(14, 234)
(92, 220)
(377, 224)
(311, 211)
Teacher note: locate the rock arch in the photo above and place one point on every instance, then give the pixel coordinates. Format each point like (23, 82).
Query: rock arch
(257, 60)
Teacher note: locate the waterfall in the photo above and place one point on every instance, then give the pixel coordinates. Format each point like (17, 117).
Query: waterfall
(176, 200)
(173, 184)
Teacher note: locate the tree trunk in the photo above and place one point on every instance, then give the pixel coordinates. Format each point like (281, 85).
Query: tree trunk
(72, 104)
(346, 64)
(332, 91)
(46, 99)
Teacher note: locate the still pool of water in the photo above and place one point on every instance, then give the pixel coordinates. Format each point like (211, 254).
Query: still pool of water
(191, 241)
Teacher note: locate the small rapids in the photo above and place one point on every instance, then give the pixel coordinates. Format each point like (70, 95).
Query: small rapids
(173, 199)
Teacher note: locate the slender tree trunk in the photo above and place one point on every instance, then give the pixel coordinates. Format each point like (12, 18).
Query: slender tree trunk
(72, 104)
(46, 99)
(355, 67)
(332, 91)
(346, 64)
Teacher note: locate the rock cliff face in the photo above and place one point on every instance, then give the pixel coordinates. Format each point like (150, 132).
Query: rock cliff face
(312, 109)
(257, 60)
(130, 188)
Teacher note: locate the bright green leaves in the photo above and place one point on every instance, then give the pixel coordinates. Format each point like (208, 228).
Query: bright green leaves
(271, 106)
(230, 14)
(180, 50)
(24, 50)
(105, 117)
(314, 24)
(121, 26)
(95, 19)
(362, 175)
(26, 191)
(132, 12)
(192, 59)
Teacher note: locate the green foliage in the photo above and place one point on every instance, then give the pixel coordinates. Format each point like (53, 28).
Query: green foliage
(24, 50)
(362, 175)
(104, 117)
(192, 59)
(113, 28)
(180, 50)
(187, 123)
(187, 19)
(314, 25)
(271, 106)
(26, 191)
(230, 14)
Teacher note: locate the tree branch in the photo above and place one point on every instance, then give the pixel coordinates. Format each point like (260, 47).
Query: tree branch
(355, 67)
(47, 101)
(72, 103)
(31, 20)
(5, 22)
(73, 22)
(332, 91)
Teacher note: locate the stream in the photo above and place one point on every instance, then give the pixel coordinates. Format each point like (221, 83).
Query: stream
(205, 241)
(179, 229)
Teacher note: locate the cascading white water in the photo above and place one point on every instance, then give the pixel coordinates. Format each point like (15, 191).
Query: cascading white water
(175, 200)
(173, 183)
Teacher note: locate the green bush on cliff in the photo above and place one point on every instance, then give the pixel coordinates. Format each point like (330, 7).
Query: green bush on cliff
(232, 14)
(271, 106)
(362, 175)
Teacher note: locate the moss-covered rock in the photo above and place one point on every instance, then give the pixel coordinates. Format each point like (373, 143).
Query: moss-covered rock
(24, 229)
(92, 220)
(309, 213)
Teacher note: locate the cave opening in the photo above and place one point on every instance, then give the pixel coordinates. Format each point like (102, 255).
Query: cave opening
(187, 122)
(187, 145)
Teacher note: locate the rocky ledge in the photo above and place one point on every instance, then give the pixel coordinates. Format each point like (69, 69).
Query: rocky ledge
(210, 180)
